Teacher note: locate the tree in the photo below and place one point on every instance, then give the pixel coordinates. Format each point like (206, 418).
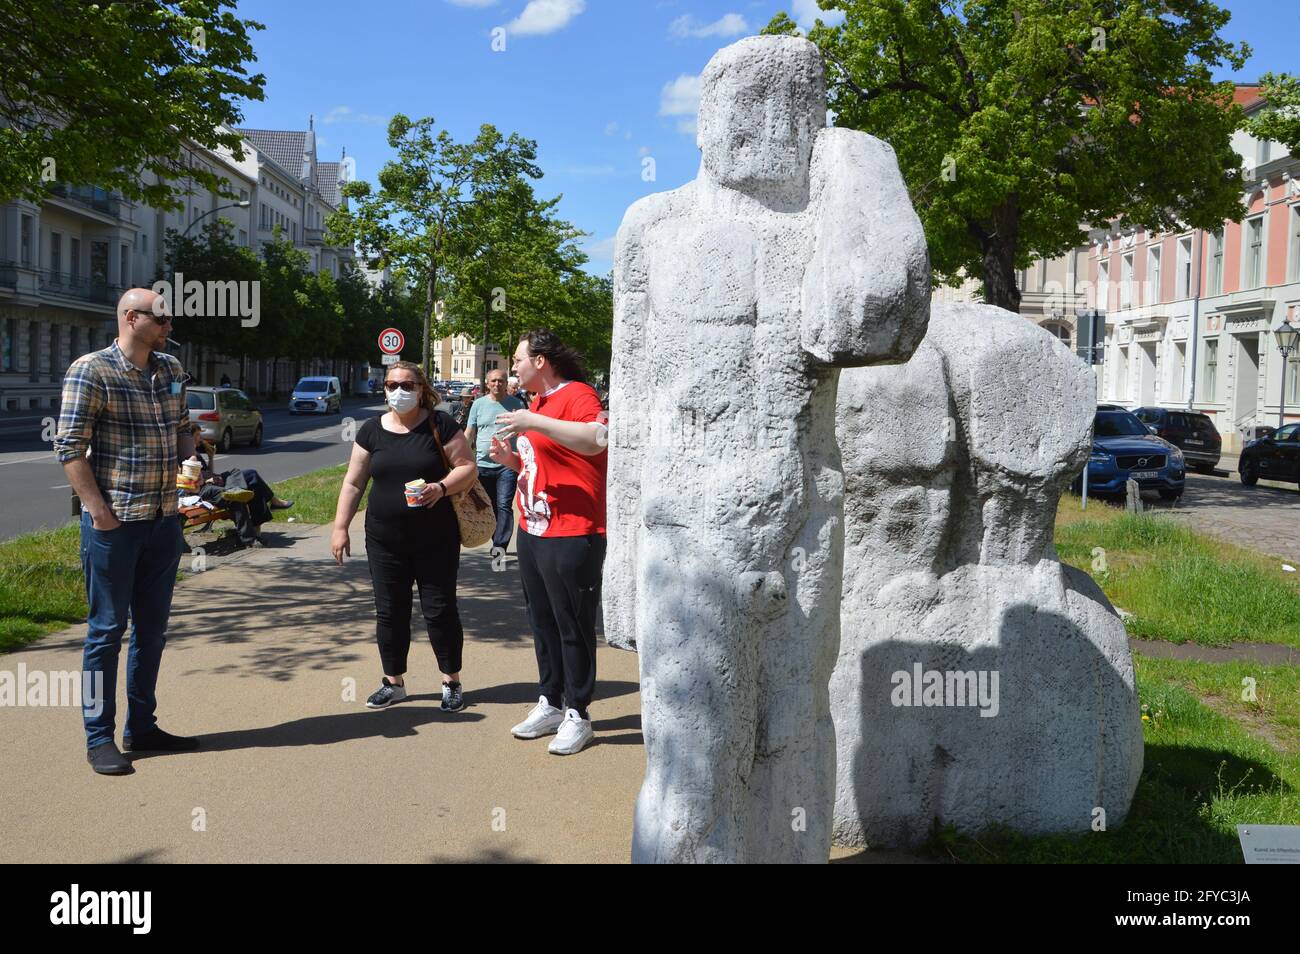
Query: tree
(510, 256)
(212, 255)
(97, 94)
(1015, 121)
(1280, 118)
(411, 221)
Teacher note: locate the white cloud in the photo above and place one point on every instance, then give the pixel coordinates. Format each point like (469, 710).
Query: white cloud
(600, 248)
(611, 128)
(545, 16)
(688, 27)
(806, 12)
(643, 151)
(681, 97)
(344, 114)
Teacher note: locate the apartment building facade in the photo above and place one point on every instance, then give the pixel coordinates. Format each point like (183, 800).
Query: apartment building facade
(1189, 315)
(65, 262)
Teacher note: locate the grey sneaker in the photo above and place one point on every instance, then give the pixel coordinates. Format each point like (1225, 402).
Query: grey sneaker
(386, 695)
(453, 697)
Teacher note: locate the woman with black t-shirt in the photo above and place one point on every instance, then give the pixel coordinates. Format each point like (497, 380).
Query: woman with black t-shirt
(411, 538)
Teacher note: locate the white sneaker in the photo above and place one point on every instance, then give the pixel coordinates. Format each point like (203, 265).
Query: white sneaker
(543, 720)
(575, 732)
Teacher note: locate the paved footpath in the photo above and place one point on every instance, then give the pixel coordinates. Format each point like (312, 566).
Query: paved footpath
(290, 771)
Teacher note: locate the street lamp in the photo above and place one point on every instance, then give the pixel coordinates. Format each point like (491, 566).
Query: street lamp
(1287, 336)
(233, 205)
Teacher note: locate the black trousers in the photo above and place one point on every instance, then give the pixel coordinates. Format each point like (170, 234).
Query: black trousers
(432, 565)
(561, 577)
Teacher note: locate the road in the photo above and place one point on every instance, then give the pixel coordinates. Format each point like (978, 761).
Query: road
(36, 494)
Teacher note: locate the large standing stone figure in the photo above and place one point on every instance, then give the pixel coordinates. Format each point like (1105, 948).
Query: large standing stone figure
(737, 297)
(980, 681)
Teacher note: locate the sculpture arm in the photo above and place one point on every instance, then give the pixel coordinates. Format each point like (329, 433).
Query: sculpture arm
(629, 415)
(866, 290)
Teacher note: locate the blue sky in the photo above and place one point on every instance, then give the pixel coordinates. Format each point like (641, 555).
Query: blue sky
(600, 84)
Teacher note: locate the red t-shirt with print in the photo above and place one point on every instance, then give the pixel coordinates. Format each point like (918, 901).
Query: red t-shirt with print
(561, 493)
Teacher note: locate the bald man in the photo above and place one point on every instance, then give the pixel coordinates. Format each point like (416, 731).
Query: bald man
(126, 407)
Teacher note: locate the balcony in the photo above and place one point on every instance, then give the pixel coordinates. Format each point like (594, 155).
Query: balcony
(90, 196)
(313, 236)
(80, 287)
(9, 275)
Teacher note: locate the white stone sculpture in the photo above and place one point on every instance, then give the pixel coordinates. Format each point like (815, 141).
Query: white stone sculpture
(954, 463)
(737, 297)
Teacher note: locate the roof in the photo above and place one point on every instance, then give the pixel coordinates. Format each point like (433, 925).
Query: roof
(282, 145)
(327, 182)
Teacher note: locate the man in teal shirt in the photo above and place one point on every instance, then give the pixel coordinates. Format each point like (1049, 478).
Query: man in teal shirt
(498, 481)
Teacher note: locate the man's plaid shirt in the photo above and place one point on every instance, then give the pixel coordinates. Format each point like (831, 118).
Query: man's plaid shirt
(130, 420)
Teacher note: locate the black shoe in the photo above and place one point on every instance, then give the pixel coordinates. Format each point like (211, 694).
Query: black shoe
(280, 506)
(156, 740)
(107, 760)
(386, 695)
(453, 697)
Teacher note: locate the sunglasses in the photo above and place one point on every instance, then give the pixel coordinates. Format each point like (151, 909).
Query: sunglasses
(158, 319)
(404, 385)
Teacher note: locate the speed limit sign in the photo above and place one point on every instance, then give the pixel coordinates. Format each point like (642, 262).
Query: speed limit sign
(391, 341)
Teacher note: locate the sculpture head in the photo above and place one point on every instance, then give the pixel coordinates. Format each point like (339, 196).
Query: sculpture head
(762, 100)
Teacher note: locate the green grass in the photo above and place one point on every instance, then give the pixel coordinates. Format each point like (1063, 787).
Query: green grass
(1180, 585)
(41, 587)
(1203, 775)
(314, 495)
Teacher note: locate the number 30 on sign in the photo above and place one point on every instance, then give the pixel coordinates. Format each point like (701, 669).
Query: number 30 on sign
(391, 341)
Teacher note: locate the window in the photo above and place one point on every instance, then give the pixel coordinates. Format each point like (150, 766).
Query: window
(1216, 265)
(264, 221)
(1103, 285)
(1211, 370)
(9, 357)
(243, 237)
(1261, 152)
(1184, 268)
(56, 362)
(25, 239)
(124, 276)
(56, 252)
(74, 257)
(1126, 281)
(243, 195)
(99, 263)
(1293, 273)
(1255, 252)
(144, 245)
(1153, 274)
(1293, 380)
(74, 338)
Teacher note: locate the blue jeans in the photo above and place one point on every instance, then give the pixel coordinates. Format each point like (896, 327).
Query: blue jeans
(128, 570)
(499, 482)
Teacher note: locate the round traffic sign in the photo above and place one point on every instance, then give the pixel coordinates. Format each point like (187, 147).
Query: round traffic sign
(391, 341)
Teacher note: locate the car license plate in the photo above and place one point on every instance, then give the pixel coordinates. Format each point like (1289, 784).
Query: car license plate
(1144, 474)
(1197, 443)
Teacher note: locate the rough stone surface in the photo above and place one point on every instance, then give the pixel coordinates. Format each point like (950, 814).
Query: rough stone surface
(954, 465)
(737, 297)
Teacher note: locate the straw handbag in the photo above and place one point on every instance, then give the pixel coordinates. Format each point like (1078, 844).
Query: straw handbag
(474, 511)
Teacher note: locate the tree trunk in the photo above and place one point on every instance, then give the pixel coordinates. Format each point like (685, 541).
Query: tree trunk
(487, 315)
(999, 252)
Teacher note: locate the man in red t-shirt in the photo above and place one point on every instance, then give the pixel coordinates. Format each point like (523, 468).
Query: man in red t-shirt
(561, 461)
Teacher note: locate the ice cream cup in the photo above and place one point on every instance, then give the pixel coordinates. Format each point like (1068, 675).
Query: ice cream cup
(413, 489)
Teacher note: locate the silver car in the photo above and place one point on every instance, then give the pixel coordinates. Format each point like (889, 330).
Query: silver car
(225, 415)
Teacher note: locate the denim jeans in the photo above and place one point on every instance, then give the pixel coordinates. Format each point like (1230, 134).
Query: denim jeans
(499, 482)
(128, 570)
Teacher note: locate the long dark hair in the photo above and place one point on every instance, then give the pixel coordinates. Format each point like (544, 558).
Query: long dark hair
(566, 361)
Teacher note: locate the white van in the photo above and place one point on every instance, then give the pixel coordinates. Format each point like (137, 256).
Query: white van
(317, 395)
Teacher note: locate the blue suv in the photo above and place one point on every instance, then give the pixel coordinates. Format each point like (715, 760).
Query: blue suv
(1123, 447)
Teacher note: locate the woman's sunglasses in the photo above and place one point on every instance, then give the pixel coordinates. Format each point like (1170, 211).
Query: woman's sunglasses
(404, 385)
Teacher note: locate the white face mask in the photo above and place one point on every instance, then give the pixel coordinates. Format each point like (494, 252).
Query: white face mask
(402, 401)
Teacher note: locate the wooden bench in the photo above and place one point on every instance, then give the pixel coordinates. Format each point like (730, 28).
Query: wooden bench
(197, 516)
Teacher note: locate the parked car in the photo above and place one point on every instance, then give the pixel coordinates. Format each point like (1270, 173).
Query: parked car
(319, 395)
(225, 415)
(1191, 432)
(1123, 448)
(1275, 457)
